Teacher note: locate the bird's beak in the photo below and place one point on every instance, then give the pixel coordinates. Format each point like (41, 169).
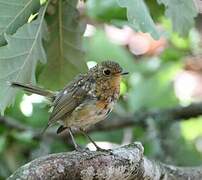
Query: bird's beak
(124, 73)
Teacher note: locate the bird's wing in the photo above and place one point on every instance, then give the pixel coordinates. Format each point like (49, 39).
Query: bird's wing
(69, 98)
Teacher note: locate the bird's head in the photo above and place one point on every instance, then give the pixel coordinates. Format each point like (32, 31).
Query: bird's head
(107, 70)
(107, 76)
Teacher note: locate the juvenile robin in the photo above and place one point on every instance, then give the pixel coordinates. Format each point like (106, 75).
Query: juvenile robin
(86, 100)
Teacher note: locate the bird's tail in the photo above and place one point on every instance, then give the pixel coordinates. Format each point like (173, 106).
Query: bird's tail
(34, 89)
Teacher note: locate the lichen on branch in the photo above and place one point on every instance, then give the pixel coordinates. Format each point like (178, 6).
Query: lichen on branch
(127, 162)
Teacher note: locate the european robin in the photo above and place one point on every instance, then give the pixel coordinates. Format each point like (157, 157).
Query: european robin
(86, 100)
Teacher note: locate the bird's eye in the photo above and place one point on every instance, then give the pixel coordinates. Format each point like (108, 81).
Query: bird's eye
(106, 72)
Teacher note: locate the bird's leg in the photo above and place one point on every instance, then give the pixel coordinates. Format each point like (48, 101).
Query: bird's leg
(76, 146)
(91, 140)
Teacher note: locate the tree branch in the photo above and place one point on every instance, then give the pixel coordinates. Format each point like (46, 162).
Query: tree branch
(125, 163)
(140, 118)
(115, 121)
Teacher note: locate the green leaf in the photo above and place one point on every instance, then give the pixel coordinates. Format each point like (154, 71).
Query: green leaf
(139, 17)
(105, 10)
(181, 13)
(18, 59)
(156, 10)
(64, 49)
(14, 14)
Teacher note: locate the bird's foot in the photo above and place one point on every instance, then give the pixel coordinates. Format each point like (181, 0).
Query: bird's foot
(104, 150)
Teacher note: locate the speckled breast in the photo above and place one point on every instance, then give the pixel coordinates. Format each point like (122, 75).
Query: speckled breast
(89, 113)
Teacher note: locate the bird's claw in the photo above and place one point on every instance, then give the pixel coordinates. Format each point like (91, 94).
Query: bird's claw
(104, 150)
(81, 149)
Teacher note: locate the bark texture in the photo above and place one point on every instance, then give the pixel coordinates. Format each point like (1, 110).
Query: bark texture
(123, 163)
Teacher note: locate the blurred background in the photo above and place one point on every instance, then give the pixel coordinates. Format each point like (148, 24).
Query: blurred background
(164, 73)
